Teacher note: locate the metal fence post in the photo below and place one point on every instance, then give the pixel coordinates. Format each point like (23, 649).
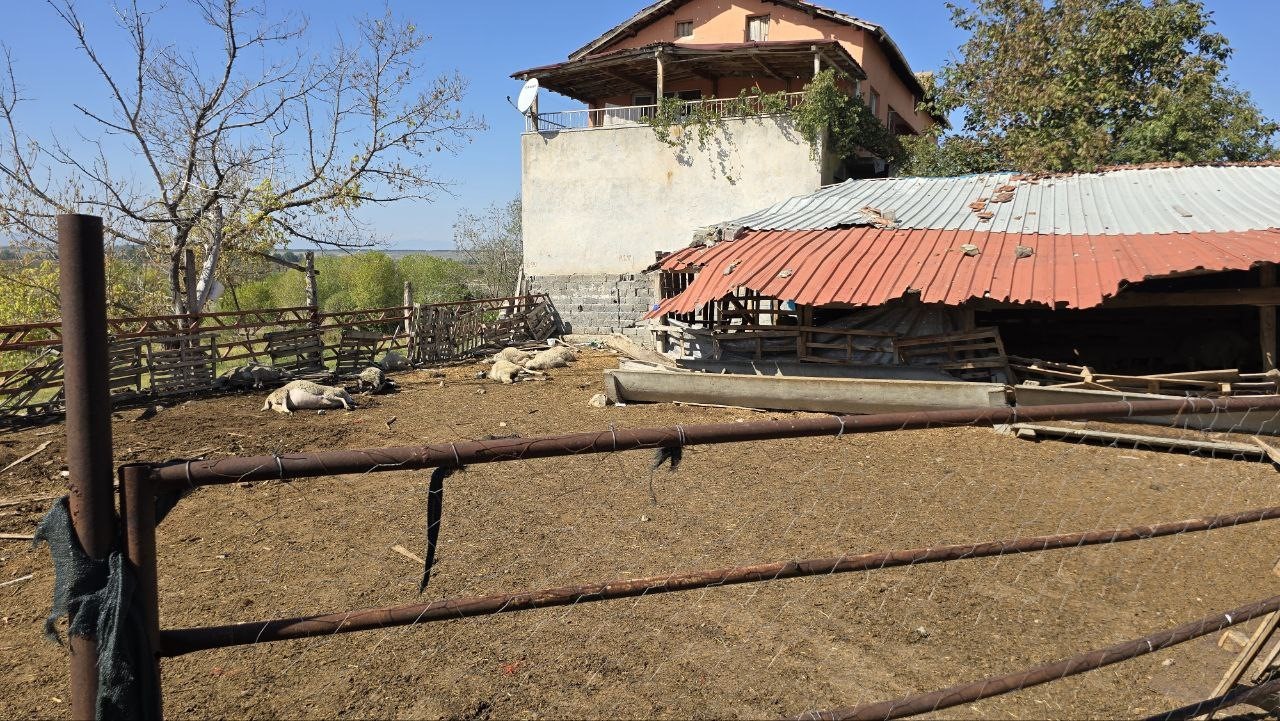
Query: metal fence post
(138, 515)
(88, 428)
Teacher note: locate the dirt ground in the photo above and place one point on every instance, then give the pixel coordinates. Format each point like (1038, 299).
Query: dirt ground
(230, 554)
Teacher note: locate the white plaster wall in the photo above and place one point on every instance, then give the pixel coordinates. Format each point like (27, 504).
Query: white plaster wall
(605, 200)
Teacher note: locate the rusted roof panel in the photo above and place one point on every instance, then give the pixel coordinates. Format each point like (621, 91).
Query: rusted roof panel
(1119, 202)
(868, 266)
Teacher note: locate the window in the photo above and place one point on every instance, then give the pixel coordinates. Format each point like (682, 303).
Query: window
(686, 95)
(898, 125)
(645, 102)
(684, 29)
(874, 103)
(758, 28)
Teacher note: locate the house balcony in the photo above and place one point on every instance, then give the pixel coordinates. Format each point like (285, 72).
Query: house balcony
(612, 117)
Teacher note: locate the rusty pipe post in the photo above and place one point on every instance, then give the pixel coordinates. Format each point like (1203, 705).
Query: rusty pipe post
(138, 516)
(82, 278)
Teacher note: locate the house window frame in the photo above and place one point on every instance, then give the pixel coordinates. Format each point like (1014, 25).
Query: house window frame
(764, 21)
(684, 24)
(873, 101)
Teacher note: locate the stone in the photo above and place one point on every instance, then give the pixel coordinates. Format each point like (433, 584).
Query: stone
(599, 400)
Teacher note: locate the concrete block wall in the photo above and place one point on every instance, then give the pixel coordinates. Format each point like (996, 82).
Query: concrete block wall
(600, 303)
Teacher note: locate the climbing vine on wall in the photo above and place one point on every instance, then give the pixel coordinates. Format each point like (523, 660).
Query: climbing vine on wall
(826, 111)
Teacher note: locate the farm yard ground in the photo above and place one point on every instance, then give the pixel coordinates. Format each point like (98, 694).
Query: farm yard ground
(235, 553)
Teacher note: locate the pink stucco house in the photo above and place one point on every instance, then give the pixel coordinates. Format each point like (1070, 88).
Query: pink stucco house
(602, 195)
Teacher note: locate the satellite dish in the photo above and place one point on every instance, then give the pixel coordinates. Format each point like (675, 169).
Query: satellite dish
(528, 96)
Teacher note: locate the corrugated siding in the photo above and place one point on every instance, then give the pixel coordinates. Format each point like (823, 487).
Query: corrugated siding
(868, 266)
(1119, 202)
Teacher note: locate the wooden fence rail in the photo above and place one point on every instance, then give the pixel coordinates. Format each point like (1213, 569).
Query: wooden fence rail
(154, 356)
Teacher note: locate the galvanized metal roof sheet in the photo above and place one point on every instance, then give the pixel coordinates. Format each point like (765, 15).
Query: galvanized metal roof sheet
(1131, 201)
(869, 266)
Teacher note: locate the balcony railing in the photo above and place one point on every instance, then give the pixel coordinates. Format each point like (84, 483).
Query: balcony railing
(625, 116)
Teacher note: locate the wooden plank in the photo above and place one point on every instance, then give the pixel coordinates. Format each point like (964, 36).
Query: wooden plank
(27, 457)
(1134, 440)
(1242, 662)
(1272, 452)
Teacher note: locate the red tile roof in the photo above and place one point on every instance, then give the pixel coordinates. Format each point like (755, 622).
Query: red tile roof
(865, 266)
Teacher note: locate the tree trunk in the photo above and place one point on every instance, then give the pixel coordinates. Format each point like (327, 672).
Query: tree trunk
(175, 279)
(207, 283)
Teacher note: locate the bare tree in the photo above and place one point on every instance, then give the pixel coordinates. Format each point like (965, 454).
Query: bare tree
(265, 145)
(492, 244)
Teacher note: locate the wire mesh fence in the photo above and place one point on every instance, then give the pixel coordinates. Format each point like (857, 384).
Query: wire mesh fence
(905, 622)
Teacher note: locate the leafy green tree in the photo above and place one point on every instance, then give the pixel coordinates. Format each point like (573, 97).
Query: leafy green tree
(1077, 84)
(435, 280)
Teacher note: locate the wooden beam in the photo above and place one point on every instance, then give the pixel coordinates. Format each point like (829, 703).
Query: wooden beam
(772, 73)
(636, 84)
(1196, 298)
(1215, 449)
(657, 56)
(1267, 320)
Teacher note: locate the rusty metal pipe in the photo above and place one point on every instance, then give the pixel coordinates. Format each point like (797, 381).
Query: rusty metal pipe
(83, 299)
(331, 463)
(186, 640)
(1080, 663)
(138, 516)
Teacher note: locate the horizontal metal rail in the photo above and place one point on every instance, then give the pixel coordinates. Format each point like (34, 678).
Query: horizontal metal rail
(998, 685)
(462, 453)
(629, 116)
(186, 640)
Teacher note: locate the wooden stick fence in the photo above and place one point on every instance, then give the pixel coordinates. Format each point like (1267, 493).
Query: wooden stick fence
(164, 355)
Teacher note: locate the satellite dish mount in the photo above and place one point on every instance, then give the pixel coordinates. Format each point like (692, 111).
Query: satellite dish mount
(527, 103)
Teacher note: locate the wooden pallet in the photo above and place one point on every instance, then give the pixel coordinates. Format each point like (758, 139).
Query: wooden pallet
(356, 350)
(182, 364)
(971, 355)
(299, 351)
(126, 367)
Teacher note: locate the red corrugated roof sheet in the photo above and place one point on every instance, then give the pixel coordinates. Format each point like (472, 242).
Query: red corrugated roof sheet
(865, 266)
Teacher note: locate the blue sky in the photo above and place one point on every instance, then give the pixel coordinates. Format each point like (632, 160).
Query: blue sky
(487, 40)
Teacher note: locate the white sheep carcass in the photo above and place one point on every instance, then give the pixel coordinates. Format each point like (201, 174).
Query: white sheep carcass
(393, 361)
(557, 357)
(251, 375)
(307, 396)
(513, 355)
(371, 380)
(505, 371)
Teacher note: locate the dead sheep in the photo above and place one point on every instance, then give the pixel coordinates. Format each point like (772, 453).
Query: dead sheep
(307, 396)
(557, 357)
(504, 371)
(513, 355)
(371, 380)
(251, 375)
(393, 361)
(564, 351)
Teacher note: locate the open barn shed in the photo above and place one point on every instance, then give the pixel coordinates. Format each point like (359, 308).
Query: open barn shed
(1142, 271)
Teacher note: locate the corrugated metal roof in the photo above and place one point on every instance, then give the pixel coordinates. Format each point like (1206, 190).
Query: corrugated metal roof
(869, 266)
(1118, 202)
